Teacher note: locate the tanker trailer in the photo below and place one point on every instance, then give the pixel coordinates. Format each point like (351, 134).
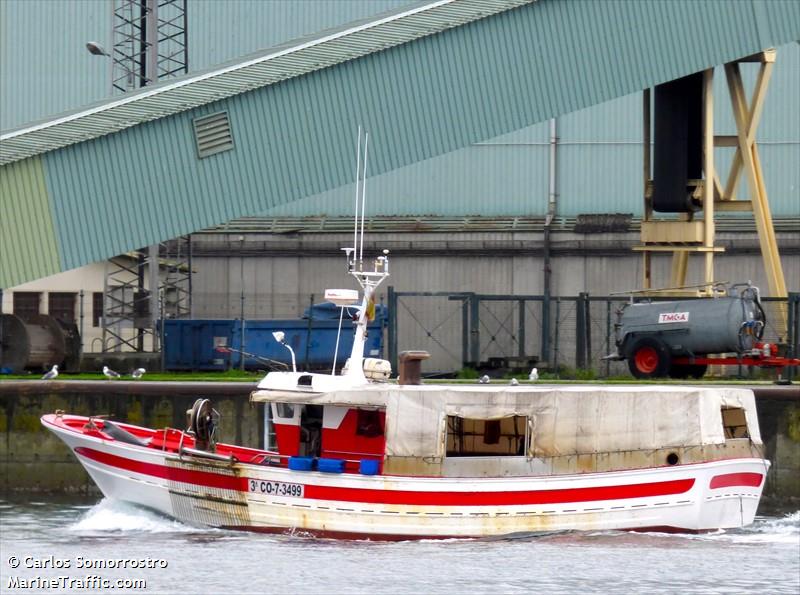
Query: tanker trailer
(672, 338)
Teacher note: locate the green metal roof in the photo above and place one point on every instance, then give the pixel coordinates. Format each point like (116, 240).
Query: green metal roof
(429, 224)
(420, 99)
(276, 64)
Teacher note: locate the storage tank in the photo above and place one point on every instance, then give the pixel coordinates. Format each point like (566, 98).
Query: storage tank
(692, 327)
(37, 342)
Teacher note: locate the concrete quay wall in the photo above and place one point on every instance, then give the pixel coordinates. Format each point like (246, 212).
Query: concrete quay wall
(32, 459)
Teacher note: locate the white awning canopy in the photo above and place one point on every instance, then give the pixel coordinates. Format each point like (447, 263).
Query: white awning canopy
(566, 419)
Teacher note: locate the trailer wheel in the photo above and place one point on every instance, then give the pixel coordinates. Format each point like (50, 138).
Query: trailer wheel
(649, 358)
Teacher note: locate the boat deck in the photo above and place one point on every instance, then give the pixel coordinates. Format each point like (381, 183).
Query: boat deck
(169, 440)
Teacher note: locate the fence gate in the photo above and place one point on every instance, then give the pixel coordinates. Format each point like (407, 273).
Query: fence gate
(428, 321)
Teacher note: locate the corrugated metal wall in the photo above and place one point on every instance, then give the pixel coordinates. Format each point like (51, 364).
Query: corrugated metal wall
(421, 101)
(599, 162)
(44, 65)
(224, 30)
(45, 68)
(27, 238)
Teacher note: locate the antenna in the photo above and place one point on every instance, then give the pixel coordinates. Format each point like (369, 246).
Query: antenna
(358, 176)
(363, 201)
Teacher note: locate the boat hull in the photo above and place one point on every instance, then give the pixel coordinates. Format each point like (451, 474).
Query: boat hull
(200, 491)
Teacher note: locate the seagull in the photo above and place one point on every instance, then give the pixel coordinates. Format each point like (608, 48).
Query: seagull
(53, 373)
(484, 380)
(514, 382)
(109, 373)
(534, 375)
(138, 373)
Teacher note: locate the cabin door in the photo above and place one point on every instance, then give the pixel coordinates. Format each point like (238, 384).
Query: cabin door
(311, 431)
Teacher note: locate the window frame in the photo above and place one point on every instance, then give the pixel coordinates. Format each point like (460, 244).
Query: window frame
(22, 309)
(57, 306)
(526, 438)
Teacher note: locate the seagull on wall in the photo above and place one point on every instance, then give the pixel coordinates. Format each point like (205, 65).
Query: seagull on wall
(534, 375)
(53, 373)
(484, 380)
(138, 373)
(109, 373)
(514, 382)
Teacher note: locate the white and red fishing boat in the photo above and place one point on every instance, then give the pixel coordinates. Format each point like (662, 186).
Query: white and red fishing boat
(358, 455)
(354, 455)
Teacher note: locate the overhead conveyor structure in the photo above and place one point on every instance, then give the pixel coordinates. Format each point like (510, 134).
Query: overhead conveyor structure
(681, 177)
(426, 79)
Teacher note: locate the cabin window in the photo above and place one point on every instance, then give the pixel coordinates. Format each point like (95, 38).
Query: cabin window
(369, 424)
(734, 423)
(284, 410)
(504, 437)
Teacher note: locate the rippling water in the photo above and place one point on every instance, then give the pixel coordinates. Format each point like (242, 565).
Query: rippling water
(764, 557)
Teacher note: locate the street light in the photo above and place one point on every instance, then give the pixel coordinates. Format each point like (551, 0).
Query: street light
(280, 337)
(129, 79)
(96, 49)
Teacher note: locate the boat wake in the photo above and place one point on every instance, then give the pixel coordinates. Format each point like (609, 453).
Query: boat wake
(785, 529)
(115, 516)
(764, 530)
(120, 517)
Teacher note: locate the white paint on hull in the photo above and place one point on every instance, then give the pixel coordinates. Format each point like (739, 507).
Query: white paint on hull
(699, 508)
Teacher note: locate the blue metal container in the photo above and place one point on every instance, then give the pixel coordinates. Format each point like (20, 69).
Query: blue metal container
(194, 344)
(201, 344)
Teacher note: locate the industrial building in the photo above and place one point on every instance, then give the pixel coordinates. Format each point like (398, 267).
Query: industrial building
(506, 158)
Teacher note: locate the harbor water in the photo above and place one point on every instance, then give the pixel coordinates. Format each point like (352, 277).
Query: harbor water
(73, 546)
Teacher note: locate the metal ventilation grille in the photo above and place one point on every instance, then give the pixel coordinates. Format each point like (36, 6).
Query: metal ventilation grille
(212, 134)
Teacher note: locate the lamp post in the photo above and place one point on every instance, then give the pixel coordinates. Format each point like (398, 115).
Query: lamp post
(149, 41)
(148, 74)
(280, 337)
(241, 296)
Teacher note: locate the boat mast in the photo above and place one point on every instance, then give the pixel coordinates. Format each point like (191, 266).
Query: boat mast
(358, 180)
(368, 280)
(363, 202)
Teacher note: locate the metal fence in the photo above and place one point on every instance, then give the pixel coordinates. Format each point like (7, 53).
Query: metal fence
(570, 334)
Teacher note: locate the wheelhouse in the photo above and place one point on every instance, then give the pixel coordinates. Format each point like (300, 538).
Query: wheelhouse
(337, 432)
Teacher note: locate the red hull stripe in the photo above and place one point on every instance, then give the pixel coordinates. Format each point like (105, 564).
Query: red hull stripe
(408, 497)
(563, 496)
(203, 478)
(750, 480)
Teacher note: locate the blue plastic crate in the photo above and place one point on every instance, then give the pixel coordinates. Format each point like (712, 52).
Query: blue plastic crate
(301, 463)
(330, 465)
(369, 467)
